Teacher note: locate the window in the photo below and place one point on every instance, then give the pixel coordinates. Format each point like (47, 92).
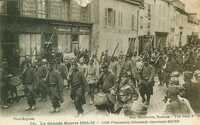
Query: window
(120, 19)
(110, 17)
(75, 42)
(64, 44)
(133, 22)
(41, 8)
(84, 14)
(28, 8)
(29, 45)
(2, 7)
(56, 9)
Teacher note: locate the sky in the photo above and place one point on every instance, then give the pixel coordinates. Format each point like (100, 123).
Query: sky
(192, 6)
(83, 3)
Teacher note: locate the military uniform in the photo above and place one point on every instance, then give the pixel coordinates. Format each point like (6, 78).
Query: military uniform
(55, 88)
(42, 85)
(125, 92)
(63, 72)
(4, 86)
(146, 82)
(106, 83)
(193, 93)
(28, 80)
(77, 82)
(91, 76)
(176, 104)
(171, 66)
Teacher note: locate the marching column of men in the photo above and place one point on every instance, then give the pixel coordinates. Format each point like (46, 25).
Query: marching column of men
(106, 76)
(42, 79)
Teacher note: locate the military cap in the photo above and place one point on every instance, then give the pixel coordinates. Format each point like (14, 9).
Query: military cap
(105, 66)
(175, 74)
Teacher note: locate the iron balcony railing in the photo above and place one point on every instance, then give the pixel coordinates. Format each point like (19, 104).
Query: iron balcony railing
(45, 9)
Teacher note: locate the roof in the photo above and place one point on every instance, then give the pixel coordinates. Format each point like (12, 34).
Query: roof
(181, 11)
(135, 2)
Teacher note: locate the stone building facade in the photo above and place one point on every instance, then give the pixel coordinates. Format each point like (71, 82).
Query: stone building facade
(167, 22)
(30, 24)
(114, 21)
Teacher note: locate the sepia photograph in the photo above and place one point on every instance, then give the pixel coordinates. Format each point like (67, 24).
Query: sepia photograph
(132, 59)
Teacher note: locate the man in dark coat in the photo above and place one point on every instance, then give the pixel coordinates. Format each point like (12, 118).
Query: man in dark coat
(176, 105)
(42, 77)
(193, 92)
(54, 82)
(171, 66)
(28, 81)
(77, 82)
(4, 85)
(146, 82)
(105, 84)
(62, 69)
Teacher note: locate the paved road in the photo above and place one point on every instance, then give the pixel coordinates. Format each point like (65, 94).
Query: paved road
(43, 108)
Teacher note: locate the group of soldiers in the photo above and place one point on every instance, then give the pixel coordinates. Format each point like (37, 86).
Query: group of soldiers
(111, 81)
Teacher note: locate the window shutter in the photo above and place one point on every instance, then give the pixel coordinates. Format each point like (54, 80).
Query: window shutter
(121, 18)
(106, 16)
(114, 17)
(133, 22)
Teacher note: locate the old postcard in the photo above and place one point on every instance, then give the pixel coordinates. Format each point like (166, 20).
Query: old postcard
(94, 62)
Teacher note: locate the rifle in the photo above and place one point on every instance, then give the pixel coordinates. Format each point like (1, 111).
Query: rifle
(120, 74)
(114, 52)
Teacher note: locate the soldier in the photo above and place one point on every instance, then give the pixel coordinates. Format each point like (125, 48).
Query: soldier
(134, 59)
(128, 63)
(42, 77)
(4, 86)
(124, 92)
(28, 81)
(77, 82)
(119, 64)
(106, 82)
(179, 60)
(82, 66)
(54, 82)
(35, 70)
(171, 65)
(138, 64)
(62, 69)
(193, 91)
(91, 76)
(146, 82)
(176, 104)
(113, 66)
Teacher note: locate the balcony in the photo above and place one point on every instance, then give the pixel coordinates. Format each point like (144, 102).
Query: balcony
(3, 7)
(62, 10)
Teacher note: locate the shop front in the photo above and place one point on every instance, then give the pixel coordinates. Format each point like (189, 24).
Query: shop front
(23, 36)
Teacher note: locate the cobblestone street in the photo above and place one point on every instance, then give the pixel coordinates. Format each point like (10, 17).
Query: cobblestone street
(67, 107)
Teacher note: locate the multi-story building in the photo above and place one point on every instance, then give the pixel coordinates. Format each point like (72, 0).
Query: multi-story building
(192, 28)
(114, 21)
(167, 22)
(181, 19)
(157, 22)
(28, 25)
